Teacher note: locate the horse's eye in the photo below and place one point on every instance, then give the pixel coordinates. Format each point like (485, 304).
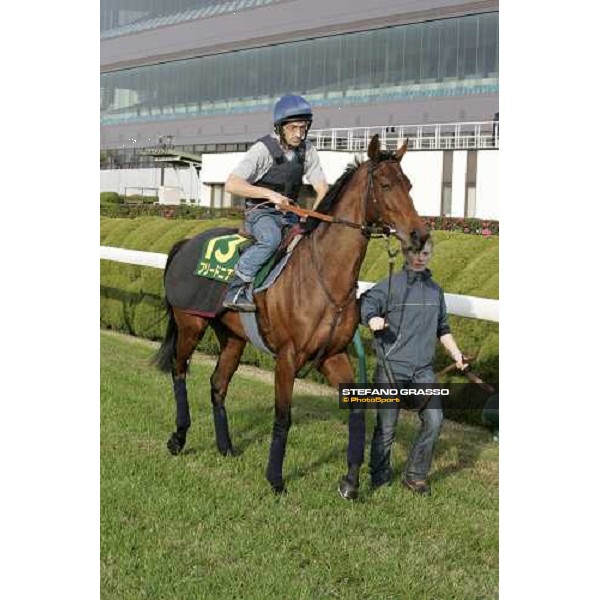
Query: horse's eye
(386, 187)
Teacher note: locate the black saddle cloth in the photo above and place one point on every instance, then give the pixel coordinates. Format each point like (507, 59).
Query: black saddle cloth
(186, 290)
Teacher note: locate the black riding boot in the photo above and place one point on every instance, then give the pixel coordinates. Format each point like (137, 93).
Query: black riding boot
(239, 296)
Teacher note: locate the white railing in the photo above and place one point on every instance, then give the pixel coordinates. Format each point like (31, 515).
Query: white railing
(463, 306)
(439, 136)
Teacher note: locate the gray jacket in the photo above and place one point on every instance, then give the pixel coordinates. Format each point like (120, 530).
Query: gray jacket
(417, 318)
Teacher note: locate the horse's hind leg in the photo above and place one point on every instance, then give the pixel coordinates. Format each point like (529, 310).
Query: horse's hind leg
(190, 330)
(231, 352)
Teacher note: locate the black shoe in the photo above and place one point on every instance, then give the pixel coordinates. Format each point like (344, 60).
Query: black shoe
(418, 487)
(239, 296)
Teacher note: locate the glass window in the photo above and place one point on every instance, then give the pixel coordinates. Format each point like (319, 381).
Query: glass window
(208, 79)
(467, 47)
(290, 72)
(378, 62)
(347, 65)
(363, 74)
(403, 60)
(430, 67)
(330, 52)
(449, 43)
(395, 54)
(276, 78)
(488, 45)
(412, 53)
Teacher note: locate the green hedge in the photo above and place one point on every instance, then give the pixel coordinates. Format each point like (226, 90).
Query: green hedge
(131, 296)
(110, 198)
(481, 227)
(181, 211)
(475, 226)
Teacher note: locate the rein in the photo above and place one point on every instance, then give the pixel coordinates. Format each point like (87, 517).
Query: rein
(377, 230)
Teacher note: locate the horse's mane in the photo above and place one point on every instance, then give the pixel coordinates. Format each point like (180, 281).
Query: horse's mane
(335, 191)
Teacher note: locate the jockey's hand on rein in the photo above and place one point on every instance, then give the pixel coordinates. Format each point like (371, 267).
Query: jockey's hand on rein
(278, 200)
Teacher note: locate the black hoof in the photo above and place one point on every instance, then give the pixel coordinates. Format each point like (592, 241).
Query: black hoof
(278, 488)
(226, 451)
(347, 490)
(175, 444)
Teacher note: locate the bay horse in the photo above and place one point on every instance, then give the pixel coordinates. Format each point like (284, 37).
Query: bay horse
(309, 313)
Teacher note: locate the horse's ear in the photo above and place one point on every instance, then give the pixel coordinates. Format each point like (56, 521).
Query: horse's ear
(374, 146)
(401, 151)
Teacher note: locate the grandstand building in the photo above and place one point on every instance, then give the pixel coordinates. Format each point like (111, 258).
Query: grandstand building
(192, 83)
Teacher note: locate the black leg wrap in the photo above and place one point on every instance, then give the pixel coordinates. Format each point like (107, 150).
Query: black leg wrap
(183, 408)
(356, 437)
(222, 430)
(277, 454)
(176, 442)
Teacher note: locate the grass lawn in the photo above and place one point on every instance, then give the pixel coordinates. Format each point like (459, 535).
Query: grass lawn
(203, 526)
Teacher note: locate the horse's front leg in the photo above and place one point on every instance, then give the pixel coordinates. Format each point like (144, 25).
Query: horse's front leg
(338, 370)
(284, 386)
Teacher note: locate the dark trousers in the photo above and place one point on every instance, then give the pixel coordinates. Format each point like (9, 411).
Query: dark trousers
(421, 453)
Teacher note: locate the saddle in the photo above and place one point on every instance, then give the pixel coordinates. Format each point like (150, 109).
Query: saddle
(197, 277)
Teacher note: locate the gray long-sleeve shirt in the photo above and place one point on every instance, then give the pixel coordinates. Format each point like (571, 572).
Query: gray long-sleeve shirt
(417, 318)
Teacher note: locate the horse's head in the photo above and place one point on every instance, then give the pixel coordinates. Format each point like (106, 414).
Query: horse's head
(388, 196)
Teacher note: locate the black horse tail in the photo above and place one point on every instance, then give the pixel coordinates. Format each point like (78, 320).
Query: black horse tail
(165, 356)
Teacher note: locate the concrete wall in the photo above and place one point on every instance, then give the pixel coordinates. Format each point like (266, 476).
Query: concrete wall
(124, 180)
(424, 169)
(488, 185)
(459, 171)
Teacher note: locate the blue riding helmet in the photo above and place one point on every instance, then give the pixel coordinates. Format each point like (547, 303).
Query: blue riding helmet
(291, 108)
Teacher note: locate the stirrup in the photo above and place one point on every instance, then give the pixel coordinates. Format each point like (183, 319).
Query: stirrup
(240, 301)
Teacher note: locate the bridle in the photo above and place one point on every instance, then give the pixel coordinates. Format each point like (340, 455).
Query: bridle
(379, 228)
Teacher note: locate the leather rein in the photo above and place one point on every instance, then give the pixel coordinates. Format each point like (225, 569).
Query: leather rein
(378, 229)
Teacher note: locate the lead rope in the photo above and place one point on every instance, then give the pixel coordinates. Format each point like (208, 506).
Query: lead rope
(379, 347)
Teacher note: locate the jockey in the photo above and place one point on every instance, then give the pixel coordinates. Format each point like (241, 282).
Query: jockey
(269, 178)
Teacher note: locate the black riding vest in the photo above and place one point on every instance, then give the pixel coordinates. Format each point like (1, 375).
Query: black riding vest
(284, 176)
